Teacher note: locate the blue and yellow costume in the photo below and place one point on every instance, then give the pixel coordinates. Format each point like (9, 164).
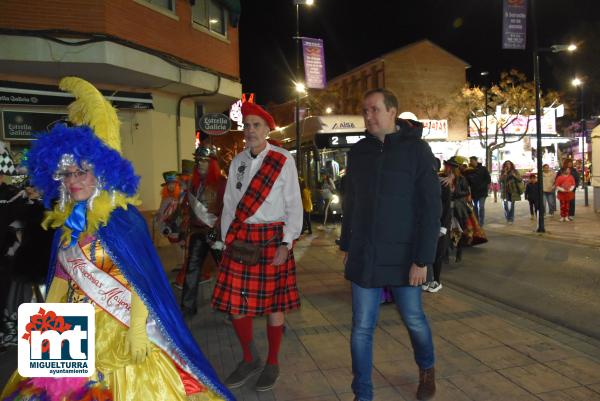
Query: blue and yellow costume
(113, 235)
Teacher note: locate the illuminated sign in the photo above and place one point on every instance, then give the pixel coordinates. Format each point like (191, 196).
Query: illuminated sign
(435, 129)
(513, 125)
(235, 114)
(336, 140)
(343, 125)
(214, 124)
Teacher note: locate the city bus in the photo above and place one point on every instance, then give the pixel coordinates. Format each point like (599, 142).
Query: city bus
(324, 143)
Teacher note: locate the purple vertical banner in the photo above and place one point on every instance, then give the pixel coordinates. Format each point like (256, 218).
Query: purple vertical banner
(314, 63)
(514, 24)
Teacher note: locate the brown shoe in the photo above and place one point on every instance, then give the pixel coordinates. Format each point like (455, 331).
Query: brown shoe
(426, 388)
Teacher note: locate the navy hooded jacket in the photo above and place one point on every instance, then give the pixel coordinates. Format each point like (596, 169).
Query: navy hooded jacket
(392, 207)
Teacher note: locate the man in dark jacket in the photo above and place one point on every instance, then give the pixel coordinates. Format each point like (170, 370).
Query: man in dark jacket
(479, 181)
(391, 224)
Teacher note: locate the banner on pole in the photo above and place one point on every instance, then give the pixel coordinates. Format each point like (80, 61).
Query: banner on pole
(314, 63)
(514, 24)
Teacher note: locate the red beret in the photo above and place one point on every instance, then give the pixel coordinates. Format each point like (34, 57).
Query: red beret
(252, 109)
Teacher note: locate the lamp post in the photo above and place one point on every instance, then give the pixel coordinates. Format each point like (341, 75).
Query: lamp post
(579, 84)
(538, 120)
(297, 3)
(485, 91)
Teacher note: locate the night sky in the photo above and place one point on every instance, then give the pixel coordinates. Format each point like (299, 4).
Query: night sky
(355, 32)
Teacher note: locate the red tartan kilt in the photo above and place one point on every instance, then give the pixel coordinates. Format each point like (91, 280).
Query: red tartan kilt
(260, 289)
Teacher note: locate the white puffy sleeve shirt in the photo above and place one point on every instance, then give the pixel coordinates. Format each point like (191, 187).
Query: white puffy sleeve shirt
(284, 202)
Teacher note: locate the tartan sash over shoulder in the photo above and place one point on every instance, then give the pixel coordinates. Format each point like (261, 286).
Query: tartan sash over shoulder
(259, 188)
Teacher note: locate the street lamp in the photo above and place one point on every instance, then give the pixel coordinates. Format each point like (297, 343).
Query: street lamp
(538, 119)
(328, 110)
(297, 3)
(579, 84)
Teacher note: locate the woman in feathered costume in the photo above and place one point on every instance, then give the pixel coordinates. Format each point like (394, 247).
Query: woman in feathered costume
(144, 350)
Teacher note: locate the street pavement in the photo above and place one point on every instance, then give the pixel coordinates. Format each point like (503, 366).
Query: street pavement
(584, 230)
(554, 275)
(486, 350)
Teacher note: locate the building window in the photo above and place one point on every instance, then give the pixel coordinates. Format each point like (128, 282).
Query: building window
(166, 4)
(210, 15)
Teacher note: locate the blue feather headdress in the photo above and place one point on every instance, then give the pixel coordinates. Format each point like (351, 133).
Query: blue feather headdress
(113, 172)
(93, 144)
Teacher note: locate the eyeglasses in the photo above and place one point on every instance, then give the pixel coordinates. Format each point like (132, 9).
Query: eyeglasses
(73, 174)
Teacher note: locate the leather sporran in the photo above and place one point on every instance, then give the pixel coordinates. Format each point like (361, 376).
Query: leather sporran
(246, 253)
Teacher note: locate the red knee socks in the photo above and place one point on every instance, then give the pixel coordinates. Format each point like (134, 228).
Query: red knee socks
(243, 330)
(274, 334)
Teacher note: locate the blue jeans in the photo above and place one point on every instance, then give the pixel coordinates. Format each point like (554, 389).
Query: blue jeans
(509, 210)
(365, 312)
(550, 198)
(479, 209)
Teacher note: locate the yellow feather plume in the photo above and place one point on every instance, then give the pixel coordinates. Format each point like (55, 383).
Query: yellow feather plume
(91, 108)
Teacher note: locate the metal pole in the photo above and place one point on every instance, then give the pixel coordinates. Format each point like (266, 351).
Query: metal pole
(298, 158)
(538, 120)
(487, 149)
(583, 140)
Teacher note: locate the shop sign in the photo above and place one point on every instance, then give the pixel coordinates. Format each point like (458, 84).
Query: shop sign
(23, 125)
(435, 129)
(214, 124)
(513, 125)
(25, 94)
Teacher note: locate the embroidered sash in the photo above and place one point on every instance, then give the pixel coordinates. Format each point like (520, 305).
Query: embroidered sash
(112, 296)
(258, 190)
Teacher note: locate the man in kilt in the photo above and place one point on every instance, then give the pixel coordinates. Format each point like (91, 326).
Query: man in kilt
(262, 206)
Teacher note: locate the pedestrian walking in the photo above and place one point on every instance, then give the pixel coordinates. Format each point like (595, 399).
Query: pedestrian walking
(532, 195)
(443, 240)
(327, 191)
(479, 182)
(568, 163)
(549, 190)
(202, 205)
(511, 189)
(565, 183)
(389, 234)
(461, 208)
(307, 206)
(262, 216)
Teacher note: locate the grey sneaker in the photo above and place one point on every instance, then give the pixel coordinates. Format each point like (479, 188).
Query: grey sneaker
(243, 372)
(267, 378)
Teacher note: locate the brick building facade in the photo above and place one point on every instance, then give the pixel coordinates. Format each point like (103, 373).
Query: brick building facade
(182, 55)
(424, 76)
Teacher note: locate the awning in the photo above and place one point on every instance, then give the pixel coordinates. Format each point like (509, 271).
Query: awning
(26, 94)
